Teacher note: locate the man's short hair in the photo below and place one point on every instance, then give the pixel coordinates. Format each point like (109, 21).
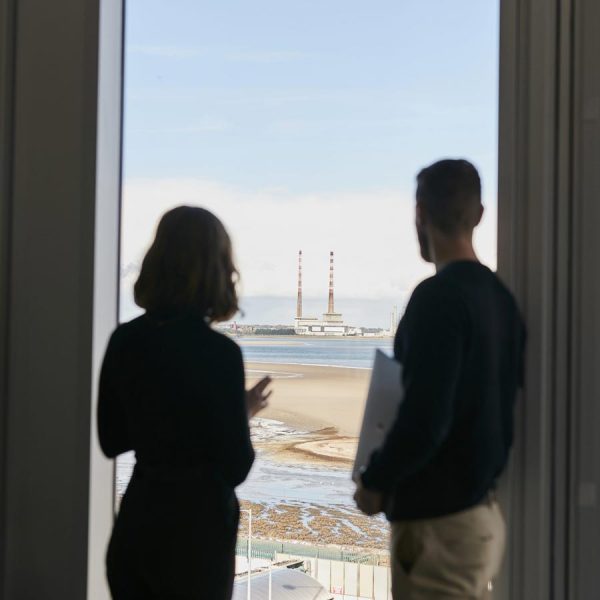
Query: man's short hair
(450, 192)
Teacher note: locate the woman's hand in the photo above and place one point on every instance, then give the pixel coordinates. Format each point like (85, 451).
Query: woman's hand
(257, 396)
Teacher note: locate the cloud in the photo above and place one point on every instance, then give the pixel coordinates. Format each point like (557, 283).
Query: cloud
(371, 232)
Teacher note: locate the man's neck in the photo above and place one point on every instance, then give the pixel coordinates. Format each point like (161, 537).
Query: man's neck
(449, 251)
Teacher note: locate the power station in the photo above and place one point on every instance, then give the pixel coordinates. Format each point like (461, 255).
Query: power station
(332, 323)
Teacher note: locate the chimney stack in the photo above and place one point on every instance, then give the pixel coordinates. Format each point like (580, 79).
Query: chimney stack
(299, 303)
(330, 307)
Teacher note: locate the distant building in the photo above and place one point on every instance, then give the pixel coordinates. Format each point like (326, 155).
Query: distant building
(332, 323)
(325, 326)
(393, 321)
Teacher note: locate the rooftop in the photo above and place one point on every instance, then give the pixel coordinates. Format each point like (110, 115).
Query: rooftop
(287, 584)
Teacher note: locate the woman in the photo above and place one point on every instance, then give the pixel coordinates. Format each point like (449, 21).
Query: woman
(172, 390)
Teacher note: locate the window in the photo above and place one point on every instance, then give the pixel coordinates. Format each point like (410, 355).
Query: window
(302, 125)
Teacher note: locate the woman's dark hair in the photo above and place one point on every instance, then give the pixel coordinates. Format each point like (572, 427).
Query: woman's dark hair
(189, 267)
(450, 191)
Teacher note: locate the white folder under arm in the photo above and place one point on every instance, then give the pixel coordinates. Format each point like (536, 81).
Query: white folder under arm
(383, 400)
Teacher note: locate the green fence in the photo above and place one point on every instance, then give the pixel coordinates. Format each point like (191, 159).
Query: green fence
(268, 549)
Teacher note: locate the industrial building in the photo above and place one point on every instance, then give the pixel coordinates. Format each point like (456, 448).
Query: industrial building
(331, 323)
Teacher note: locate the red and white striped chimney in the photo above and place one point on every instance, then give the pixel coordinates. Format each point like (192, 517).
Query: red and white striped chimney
(299, 302)
(330, 307)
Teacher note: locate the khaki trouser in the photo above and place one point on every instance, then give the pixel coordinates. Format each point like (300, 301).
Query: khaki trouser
(450, 557)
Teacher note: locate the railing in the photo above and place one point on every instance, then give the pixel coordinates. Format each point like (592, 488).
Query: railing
(268, 550)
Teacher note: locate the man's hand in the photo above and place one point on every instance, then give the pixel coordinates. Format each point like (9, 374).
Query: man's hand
(369, 501)
(257, 397)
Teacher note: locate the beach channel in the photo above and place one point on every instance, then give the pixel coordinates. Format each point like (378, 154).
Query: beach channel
(300, 488)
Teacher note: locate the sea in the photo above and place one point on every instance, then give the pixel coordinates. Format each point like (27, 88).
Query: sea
(349, 352)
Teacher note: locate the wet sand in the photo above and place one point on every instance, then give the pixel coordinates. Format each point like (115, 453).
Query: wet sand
(313, 398)
(300, 489)
(317, 525)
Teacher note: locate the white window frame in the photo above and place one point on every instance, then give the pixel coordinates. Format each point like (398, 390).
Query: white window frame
(60, 140)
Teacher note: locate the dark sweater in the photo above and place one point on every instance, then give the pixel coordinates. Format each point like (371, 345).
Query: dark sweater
(461, 344)
(173, 391)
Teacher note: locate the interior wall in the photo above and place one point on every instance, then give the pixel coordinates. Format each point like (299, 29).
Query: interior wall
(6, 77)
(59, 211)
(584, 513)
(548, 248)
(106, 274)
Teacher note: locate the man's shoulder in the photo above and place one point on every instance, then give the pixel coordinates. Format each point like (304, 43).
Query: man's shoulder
(457, 283)
(505, 292)
(435, 302)
(436, 289)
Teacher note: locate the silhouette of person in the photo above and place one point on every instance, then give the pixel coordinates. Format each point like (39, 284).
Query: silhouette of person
(172, 389)
(461, 343)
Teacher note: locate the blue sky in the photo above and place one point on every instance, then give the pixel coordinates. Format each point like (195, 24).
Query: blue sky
(285, 117)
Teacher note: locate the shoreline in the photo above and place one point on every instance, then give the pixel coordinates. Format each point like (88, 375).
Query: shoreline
(314, 397)
(293, 364)
(302, 338)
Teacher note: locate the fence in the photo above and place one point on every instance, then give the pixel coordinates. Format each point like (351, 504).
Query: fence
(352, 579)
(338, 571)
(269, 549)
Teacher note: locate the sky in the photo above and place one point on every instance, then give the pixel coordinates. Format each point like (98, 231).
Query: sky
(302, 125)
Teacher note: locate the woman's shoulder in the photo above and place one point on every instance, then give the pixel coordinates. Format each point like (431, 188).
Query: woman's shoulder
(120, 339)
(191, 332)
(194, 330)
(132, 334)
(217, 352)
(127, 329)
(223, 341)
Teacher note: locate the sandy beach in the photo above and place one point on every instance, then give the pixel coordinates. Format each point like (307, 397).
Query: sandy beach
(313, 398)
(300, 489)
(315, 524)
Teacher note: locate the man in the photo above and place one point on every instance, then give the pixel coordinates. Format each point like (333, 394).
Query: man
(461, 344)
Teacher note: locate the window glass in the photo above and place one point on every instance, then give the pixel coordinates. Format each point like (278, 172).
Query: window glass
(302, 125)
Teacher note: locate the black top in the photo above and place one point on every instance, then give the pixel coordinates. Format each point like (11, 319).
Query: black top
(461, 344)
(173, 390)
